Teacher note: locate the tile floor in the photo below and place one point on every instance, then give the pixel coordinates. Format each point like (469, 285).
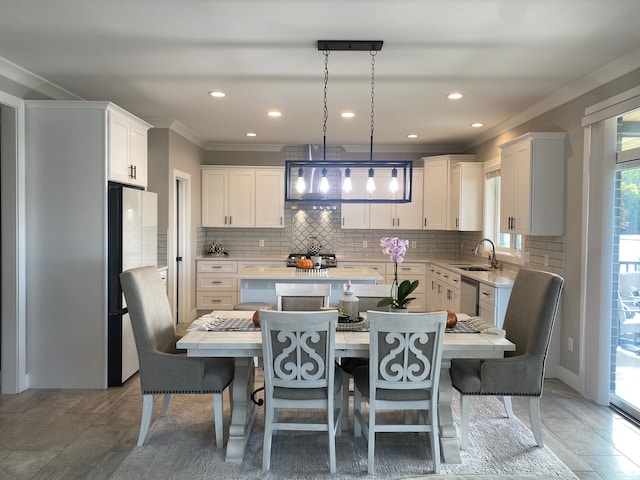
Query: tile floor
(86, 434)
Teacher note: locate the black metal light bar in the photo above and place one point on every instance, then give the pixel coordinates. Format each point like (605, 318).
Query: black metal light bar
(350, 45)
(336, 168)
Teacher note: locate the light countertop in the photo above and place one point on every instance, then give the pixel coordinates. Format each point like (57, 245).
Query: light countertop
(288, 273)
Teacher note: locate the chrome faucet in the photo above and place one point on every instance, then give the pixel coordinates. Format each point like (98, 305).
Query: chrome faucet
(493, 259)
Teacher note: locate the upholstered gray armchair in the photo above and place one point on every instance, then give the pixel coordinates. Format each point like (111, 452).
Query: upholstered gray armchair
(164, 370)
(528, 324)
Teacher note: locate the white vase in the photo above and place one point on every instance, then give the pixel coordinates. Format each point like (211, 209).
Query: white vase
(398, 310)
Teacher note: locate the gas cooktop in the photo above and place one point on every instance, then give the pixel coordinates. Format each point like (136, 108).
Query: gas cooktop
(328, 259)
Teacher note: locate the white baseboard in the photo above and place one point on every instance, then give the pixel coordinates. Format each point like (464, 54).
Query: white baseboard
(571, 379)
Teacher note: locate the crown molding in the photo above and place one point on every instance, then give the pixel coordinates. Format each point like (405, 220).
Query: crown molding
(242, 147)
(401, 148)
(34, 82)
(179, 128)
(593, 80)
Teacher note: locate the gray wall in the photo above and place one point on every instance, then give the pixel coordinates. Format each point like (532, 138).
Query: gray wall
(567, 118)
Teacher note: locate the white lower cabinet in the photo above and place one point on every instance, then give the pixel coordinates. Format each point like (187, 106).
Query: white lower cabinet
(493, 302)
(443, 287)
(411, 272)
(216, 285)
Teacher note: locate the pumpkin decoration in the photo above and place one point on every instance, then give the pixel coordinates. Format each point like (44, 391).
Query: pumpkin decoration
(305, 264)
(452, 319)
(256, 316)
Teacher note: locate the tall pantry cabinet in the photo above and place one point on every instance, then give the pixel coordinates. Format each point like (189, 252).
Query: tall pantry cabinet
(69, 152)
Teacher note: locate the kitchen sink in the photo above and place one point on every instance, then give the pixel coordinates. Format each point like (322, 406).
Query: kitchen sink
(472, 268)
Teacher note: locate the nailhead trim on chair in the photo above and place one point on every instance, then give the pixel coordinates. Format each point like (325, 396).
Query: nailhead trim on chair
(178, 392)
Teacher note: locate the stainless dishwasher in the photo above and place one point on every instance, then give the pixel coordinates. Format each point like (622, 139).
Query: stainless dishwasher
(469, 293)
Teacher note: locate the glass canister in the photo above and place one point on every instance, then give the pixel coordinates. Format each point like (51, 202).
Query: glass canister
(348, 303)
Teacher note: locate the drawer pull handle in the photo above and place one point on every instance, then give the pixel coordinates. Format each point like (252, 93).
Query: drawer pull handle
(215, 301)
(216, 282)
(485, 294)
(216, 266)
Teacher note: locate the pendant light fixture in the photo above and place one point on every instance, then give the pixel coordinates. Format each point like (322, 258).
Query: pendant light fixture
(309, 180)
(371, 183)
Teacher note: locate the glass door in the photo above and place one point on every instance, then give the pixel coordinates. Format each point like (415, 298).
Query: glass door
(625, 332)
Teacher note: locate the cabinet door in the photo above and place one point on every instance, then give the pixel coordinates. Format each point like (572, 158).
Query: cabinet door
(466, 197)
(409, 215)
(270, 198)
(355, 215)
(522, 190)
(242, 198)
(119, 148)
(138, 154)
(507, 187)
(382, 215)
(436, 201)
(215, 186)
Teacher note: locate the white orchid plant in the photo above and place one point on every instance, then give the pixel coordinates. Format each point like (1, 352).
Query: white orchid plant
(397, 248)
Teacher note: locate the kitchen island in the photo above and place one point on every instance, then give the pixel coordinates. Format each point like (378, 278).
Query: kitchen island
(257, 284)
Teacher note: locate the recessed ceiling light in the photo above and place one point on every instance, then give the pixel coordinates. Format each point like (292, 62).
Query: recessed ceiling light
(274, 113)
(250, 134)
(412, 135)
(477, 125)
(217, 94)
(454, 96)
(347, 114)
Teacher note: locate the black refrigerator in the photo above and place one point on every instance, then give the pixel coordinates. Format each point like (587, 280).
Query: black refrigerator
(132, 242)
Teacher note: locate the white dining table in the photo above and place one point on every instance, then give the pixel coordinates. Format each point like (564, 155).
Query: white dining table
(244, 346)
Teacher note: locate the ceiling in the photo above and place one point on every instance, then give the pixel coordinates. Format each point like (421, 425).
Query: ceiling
(160, 58)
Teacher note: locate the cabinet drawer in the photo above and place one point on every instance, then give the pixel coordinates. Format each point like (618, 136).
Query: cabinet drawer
(378, 267)
(216, 301)
(217, 266)
(265, 264)
(450, 278)
(211, 281)
(416, 269)
(487, 294)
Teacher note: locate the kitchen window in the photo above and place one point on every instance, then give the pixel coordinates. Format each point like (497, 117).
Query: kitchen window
(508, 246)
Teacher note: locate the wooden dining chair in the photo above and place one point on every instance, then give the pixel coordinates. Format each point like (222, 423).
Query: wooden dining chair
(528, 323)
(405, 352)
(302, 296)
(300, 373)
(165, 370)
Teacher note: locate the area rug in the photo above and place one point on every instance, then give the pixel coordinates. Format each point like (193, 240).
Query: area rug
(180, 446)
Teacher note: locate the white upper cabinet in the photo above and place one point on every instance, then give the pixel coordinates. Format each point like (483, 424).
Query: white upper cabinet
(532, 183)
(242, 197)
(356, 215)
(404, 216)
(436, 187)
(383, 216)
(127, 137)
(270, 197)
(465, 213)
(452, 193)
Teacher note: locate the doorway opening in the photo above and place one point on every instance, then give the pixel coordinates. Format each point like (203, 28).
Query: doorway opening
(181, 251)
(625, 331)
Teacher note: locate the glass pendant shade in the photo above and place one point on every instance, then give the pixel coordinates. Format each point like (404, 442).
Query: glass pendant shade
(371, 183)
(393, 185)
(324, 182)
(346, 184)
(300, 185)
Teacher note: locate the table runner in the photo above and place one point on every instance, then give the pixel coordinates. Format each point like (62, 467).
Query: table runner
(220, 324)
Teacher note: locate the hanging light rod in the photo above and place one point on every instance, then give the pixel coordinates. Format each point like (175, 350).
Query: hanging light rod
(350, 45)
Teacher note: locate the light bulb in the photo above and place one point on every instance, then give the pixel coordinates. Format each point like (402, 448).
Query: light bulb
(393, 185)
(346, 184)
(300, 185)
(371, 183)
(324, 182)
